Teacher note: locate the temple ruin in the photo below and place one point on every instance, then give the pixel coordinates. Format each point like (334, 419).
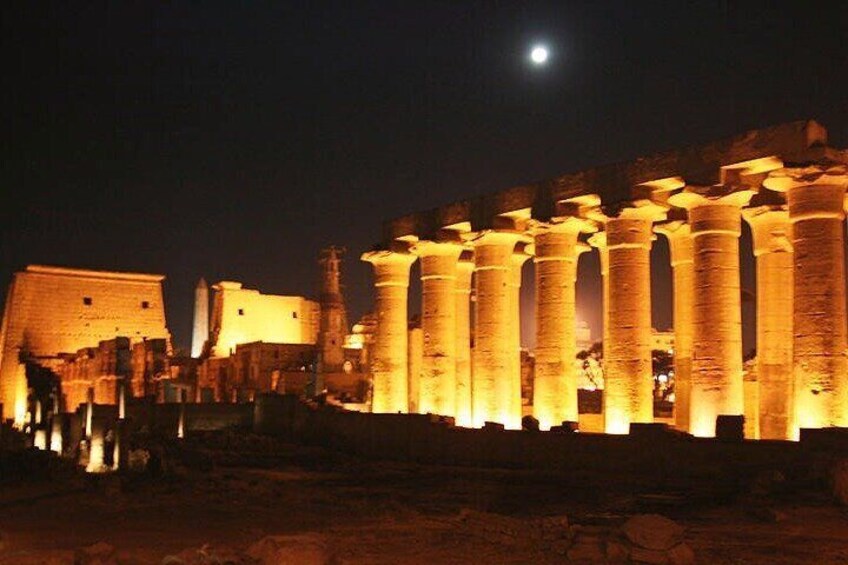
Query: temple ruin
(51, 311)
(785, 181)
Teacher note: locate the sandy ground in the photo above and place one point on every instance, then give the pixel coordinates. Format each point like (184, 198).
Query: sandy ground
(379, 512)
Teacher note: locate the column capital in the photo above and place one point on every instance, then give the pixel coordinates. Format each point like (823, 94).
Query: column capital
(391, 268)
(563, 224)
(718, 195)
(679, 235)
(770, 228)
(812, 192)
(641, 209)
(598, 240)
(497, 237)
(427, 248)
(782, 180)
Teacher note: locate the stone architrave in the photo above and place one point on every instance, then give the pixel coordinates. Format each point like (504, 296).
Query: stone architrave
(715, 219)
(770, 228)
(680, 245)
(437, 382)
(815, 196)
(390, 350)
(493, 372)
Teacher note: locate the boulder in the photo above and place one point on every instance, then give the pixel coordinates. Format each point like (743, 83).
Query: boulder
(681, 554)
(586, 552)
(652, 531)
(100, 553)
(651, 556)
(303, 549)
(137, 460)
(617, 552)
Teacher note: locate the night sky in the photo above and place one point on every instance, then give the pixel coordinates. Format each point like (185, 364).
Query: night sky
(234, 140)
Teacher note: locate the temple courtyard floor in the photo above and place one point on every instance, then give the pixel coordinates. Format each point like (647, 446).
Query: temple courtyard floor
(229, 498)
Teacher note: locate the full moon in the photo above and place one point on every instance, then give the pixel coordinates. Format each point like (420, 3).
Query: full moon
(539, 55)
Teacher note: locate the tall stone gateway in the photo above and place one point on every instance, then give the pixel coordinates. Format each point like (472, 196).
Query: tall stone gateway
(333, 326)
(200, 331)
(785, 181)
(53, 310)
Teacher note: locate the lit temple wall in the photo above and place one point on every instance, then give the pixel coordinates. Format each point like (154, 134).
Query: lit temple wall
(52, 310)
(242, 315)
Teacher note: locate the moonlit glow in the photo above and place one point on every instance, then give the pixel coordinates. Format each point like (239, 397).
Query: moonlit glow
(539, 55)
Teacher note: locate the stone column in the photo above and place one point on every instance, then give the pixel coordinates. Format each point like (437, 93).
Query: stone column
(493, 366)
(682, 271)
(816, 199)
(599, 242)
(462, 290)
(555, 381)
(773, 251)
(628, 375)
(515, 278)
(437, 382)
(389, 353)
(715, 222)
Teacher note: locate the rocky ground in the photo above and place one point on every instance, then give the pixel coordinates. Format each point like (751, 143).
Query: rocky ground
(226, 498)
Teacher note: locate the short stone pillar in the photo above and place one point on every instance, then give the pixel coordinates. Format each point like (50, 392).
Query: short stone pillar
(462, 290)
(89, 412)
(770, 228)
(493, 366)
(389, 353)
(437, 382)
(715, 219)
(816, 199)
(555, 380)
(628, 375)
(682, 271)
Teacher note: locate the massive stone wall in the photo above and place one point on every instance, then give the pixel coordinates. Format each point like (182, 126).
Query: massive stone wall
(242, 315)
(52, 310)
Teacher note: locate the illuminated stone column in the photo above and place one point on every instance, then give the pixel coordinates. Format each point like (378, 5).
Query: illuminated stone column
(462, 290)
(389, 353)
(493, 364)
(628, 376)
(682, 271)
(599, 242)
(515, 277)
(773, 251)
(815, 197)
(716, 223)
(555, 381)
(437, 383)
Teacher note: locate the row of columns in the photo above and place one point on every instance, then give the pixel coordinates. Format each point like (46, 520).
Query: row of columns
(802, 365)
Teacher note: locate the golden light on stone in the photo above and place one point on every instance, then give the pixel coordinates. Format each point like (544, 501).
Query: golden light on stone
(815, 197)
(555, 381)
(389, 365)
(494, 373)
(437, 381)
(716, 386)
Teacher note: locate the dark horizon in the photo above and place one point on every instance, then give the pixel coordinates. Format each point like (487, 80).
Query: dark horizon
(236, 142)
